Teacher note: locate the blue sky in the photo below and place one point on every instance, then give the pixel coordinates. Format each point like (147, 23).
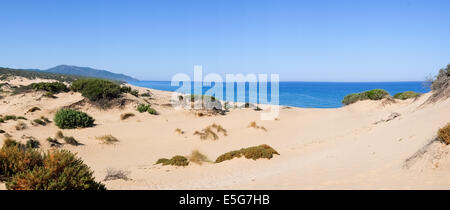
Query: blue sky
(300, 40)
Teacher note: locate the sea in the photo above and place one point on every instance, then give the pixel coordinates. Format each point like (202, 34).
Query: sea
(296, 94)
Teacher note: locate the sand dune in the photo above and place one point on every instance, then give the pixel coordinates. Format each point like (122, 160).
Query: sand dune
(339, 148)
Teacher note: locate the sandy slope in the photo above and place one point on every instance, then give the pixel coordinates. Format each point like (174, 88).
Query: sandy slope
(320, 148)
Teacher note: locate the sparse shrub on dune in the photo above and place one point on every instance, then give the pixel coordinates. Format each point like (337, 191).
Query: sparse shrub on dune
(406, 95)
(152, 111)
(49, 95)
(143, 107)
(16, 158)
(256, 152)
(57, 170)
(12, 117)
(145, 94)
(53, 142)
(33, 109)
(72, 141)
(97, 89)
(209, 133)
(21, 126)
(69, 118)
(376, 94)
(107, 139)
(444, 134)
(177, 160)
(33, 143)
(59, 135)
(113, 174)
(126, 116)
(40, 122)
(134, 93)
(197, 157)
(219, 129)
(254, 125)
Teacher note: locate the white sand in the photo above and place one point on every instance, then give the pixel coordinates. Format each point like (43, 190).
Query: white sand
(320, 148)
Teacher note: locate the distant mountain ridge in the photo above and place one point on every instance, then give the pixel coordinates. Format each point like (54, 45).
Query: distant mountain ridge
(89, 72)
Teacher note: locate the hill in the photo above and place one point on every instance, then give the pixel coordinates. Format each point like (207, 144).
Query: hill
(89, 72)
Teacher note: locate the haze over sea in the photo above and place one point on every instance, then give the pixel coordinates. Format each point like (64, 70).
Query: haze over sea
(307, 94)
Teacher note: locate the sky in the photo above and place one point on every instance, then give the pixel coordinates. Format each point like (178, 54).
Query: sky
(348, 41)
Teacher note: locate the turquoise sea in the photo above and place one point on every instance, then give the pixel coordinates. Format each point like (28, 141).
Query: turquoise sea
(305, 94)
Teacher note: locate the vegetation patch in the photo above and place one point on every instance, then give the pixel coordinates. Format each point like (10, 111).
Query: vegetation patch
(97, 89)
(210, 132)
(256, 152)
(72, 141)
(444, 134)
(33, 143)
(34, 109)
(254, 125)
(59, 135)
(21, 126)
(406, 95)
(174, 161)
(376, 94)
(126, 116)
(51, 87)
(69, 118)
(113, 174)
(12, 117)
(108, 139)
(152, 111)
(53, 142)
(197, 157)
(143, 107)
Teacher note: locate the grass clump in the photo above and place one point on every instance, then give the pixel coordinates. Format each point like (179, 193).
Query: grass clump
(256, 152)
(113, 174)
(376, 94)
(152, 111)
(406, 95)
(108, 139)
(69, 118)
(53, 142)
(12, 117)
(97, 89)
(197, 157)
(254, 125)
(72, 141)
(210, 132)
(126, 116)
(59, 135)
(177, 160)
(40, 122)
(143, 107)
(33, 143)
(56, 170)
(21, 126)
(444, 134)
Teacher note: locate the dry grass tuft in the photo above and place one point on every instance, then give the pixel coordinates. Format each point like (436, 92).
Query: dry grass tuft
(444, 134)
(179, 131)
(113, 174)
(209, 133)
(126, 116)
(254, 125)
(108, 139)
(59, 135)
(72, 141)
(197, 157)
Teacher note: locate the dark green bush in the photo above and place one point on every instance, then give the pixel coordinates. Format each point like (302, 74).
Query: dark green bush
(135, 93)
(33, 143)
(152, 111)
(40, 122)
(52, 87)
(257, 152)
(143, 107)
(406, 95)
(58, 170)
(375, 94)
(97, 89)
(69, 118)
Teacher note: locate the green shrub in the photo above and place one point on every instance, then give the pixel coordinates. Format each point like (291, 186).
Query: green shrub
(175, 161)
(257, 152)
(145, 94)
(135, 93)
(406, 95)
(15, 158)
(152, 111)
(33, 143)
(375, 94)
(97, 89)
(125, 89)
(40, 122)
(444, 134)
(59, 170)
(69, 118)
(143, 107)
(49, 95)
(52, 87)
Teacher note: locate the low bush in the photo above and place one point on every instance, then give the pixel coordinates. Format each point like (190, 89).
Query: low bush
(40, 122)
(134, 93)
(257, 152)
(376, 94)
(53, 142)
(33, 143)
(51, 87)
(145, 94)
(57, 170)
(34, 109)
(406, 95)
(444, 134)
(175, 161)
(152, 111)
(69, 118)
(97, 89)
(16, 158)
(143, 107)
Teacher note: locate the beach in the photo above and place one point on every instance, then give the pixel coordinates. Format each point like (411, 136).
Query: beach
(359, 146)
